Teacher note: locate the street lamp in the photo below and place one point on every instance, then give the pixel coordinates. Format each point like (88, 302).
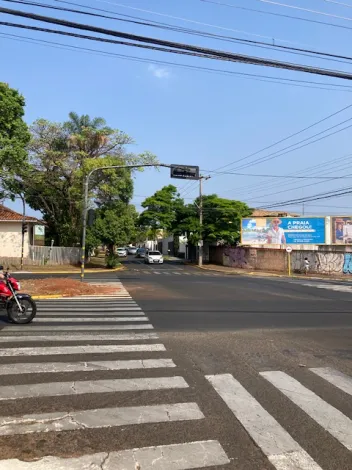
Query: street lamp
(85, 202)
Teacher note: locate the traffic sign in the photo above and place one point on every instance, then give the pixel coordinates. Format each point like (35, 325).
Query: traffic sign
(289, 249)
(184, 172)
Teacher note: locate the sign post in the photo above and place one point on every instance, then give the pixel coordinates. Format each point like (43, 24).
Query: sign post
(289, 251)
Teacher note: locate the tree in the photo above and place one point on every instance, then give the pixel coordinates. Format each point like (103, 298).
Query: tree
(60, 155)
(115, 225)
(14, 134)
(221, 220)
(160, 209)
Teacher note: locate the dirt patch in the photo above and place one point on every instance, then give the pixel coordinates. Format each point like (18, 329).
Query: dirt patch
(63, 286)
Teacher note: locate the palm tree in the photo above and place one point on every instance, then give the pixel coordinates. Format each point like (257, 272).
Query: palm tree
(78, 123)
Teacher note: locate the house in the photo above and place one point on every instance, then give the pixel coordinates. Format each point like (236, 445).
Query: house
(11, 233)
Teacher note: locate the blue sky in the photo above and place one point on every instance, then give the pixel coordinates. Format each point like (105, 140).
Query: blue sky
(189, 116)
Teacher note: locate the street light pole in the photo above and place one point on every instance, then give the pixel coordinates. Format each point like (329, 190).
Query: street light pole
(200, 257)
(85, 202)
(201, 242)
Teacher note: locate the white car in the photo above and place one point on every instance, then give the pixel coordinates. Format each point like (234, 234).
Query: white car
(132, 250)
(121, 252)
(154, 257)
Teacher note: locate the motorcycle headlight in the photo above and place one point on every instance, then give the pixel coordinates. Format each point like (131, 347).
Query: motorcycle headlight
(19, 285)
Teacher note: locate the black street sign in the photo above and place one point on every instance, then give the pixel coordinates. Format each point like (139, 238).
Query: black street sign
(185, 172)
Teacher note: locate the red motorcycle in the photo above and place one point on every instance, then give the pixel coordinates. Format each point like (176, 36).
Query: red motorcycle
(21, 308)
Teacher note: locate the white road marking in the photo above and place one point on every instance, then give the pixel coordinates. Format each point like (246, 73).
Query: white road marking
(334, 287)
(340, 380)
(92, 349)
(54, 367)
(92, 329)
(98, 418)
(176, 273)
(101, 314)
(56, 389)
(168, 457)
(64, 320)
(83, 310)
(79, 337)
(331, 419)
(281, 449)
(113, 303)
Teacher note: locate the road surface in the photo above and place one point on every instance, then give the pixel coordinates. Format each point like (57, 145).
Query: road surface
(191, 369)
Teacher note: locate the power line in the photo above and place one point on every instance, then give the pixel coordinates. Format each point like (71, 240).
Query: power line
(289, 149)
(174, 47)
(308, 10)
(264, 45)
(188, 20)
(278, 176)
(287, 188)
(299, 18)
(248, 76)
(286, 138)
(311, 198)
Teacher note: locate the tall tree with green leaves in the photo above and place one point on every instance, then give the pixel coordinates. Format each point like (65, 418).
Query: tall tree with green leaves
(14, 134)
(160, 209)
(60, 155)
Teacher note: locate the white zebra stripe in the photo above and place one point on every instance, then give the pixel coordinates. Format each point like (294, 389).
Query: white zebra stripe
(92, 329)
(63, 320)
(96, 349)
(331, 419)
(185, 456)
(56, 389)
(98, 418)
(340, 380)
(281, 449)
(55, 367)
(79, 337)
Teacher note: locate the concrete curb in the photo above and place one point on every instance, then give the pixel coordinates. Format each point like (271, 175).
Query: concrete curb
(263, 275)
(63, 296)
(87, 271)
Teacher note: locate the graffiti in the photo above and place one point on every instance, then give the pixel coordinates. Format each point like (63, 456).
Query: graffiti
(347, 265)
(322, 262)
(329, 263)
(236, 258)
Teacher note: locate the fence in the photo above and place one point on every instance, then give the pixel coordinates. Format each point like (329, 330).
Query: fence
(46, 255)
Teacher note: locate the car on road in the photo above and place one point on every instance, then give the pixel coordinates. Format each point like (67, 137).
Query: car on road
(131, 250)
(121, 252)
(141, 252)
(154, 257)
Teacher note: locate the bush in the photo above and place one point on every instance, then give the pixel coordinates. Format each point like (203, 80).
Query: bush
(112, 261)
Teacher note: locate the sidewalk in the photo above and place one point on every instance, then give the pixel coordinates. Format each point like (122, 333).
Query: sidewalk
(245, 272)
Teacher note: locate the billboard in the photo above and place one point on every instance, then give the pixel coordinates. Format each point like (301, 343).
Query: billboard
(283, 231)
(341, 230)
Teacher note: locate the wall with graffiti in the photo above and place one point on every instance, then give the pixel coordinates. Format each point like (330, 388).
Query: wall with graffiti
(262, 259)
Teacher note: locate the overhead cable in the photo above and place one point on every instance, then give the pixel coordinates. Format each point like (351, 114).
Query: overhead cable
(175, 47)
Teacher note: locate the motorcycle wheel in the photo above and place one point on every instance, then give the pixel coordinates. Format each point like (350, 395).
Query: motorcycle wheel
(29, 311)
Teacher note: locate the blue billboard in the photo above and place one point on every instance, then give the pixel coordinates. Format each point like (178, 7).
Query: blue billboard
(283, 231)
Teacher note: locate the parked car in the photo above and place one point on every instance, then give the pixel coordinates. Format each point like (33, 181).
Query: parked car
(131, 250)
(121, 252)
(154, 257)
(141, 252)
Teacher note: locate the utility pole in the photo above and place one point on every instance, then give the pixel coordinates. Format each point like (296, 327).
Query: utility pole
(200, 257)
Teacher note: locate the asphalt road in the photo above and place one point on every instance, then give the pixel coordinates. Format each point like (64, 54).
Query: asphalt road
(266, 361)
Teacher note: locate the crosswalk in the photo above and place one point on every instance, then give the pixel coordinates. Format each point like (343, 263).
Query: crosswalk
(153, 271)
(58, 355)
(333, 287)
